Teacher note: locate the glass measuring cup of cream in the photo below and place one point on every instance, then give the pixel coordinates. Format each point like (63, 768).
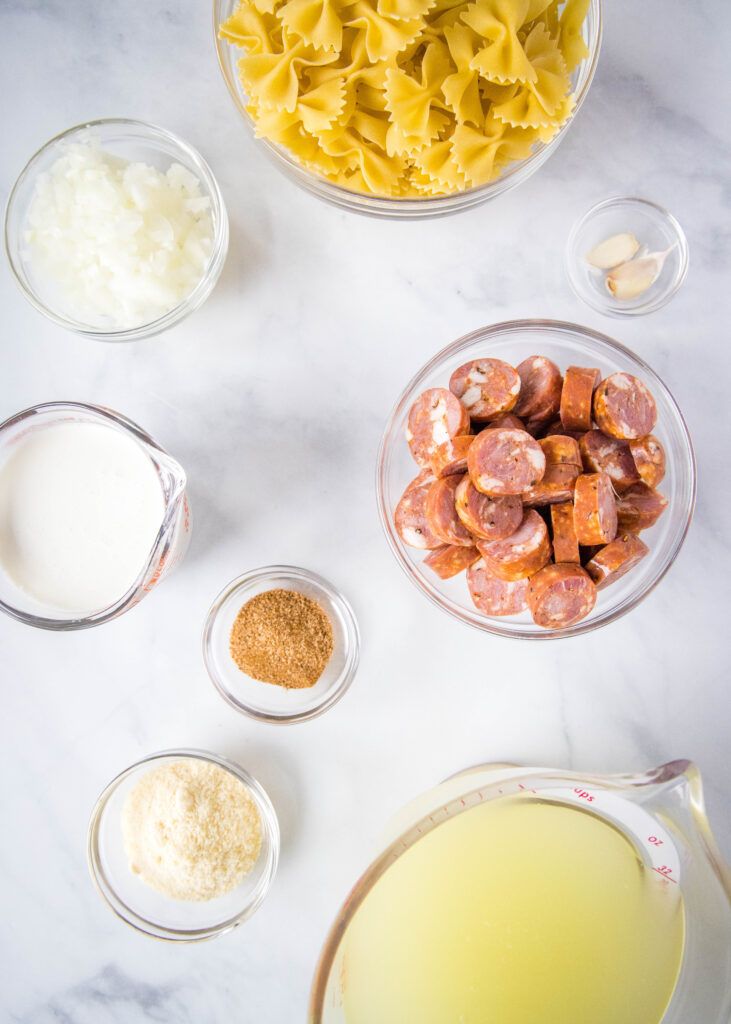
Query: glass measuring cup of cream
(515, 894)
(93, 514)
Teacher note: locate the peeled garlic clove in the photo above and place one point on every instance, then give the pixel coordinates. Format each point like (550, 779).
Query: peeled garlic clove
(631, 279)
(613, 251)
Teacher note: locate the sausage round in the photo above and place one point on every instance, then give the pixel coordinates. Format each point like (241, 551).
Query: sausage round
(486, 387)
(505, 461)
(561, 449)
(441, 514)
(450, 560)
(618, 557)
(560, 595)
(649, 459)
(484, 516)
(624, 407)
(556, 427)
(540, 389)
(451, 457)
(639, 508)
(557, 485)
(603, 454)
(521, 554)
(595, 509)
(565, 543)
(494, 596)
(507, 419)
(410, 515)
(435, 417)
(576, 396)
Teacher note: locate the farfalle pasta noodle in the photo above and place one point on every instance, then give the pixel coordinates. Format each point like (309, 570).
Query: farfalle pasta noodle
(408, 98)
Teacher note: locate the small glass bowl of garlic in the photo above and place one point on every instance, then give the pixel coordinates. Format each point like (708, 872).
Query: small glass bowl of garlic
(626, 257)
(116, 230)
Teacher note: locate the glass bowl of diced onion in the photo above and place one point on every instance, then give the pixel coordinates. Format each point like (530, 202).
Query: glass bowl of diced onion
(170, 278)
(407, 208)
(567, 345)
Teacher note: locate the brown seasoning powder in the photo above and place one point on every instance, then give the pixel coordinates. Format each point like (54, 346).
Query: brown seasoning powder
(282, 637)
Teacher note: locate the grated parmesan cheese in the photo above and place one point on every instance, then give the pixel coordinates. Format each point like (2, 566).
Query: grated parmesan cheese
(191, 830)
(122, 243)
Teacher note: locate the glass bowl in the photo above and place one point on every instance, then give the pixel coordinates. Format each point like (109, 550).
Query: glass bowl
(566, 344)
(130, 140)
(266, 701)
(655, 229)
(148, 910)
(172, 539)
(407, 209)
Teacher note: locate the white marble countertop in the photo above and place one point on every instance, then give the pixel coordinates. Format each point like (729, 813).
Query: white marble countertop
(318, 320)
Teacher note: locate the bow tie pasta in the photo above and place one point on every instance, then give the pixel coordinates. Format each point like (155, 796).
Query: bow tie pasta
(408, 98)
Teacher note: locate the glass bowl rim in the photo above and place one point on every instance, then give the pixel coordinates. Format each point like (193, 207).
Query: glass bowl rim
(352, 632)
(503, 329)
(427, 206)
(216, 260)
(270, 826)
(607, 308)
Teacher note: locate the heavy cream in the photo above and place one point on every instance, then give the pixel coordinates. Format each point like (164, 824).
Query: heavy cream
(80, 508)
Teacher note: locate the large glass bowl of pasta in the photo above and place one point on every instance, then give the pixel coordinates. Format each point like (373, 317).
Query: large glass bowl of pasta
(524, 568)
(408, 108)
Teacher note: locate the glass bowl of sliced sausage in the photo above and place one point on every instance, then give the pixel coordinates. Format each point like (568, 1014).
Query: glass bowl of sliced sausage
(536, 479)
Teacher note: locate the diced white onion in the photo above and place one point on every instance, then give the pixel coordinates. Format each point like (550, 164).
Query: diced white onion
(122, 243)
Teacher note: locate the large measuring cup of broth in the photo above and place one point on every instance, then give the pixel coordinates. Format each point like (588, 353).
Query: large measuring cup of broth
(525, 895)
(93, 514)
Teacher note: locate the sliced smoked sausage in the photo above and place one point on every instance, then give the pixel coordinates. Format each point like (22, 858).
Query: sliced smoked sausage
(639, 508)
(451, 457)
(576, 397)
(565, 543)
(540, 389)
(507, 419)
(486, 387)
(489, 518)
(563, 466)
(560, 595)
(441, 514)
(561, 449)
(649, 459)
(557, 485)
(450, 560)
(610, 563)
(624, 407)
(595, 509)
(505, 461)
(521, 554)
(410, 515)
(494, 596)
(610, 455)
(435, 417)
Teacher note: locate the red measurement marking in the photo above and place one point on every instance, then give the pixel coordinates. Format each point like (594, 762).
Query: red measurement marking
(666, 872)
(654, 840)
(584, 794)
(521, 786)
(463, 803)
(500, 791)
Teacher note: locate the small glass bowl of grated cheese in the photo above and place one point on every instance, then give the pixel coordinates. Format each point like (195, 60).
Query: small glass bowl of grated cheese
(183, 845)
(116, 230)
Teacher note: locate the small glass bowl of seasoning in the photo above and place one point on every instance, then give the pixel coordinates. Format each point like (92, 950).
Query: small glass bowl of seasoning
(183, 845)
(281, 644)
(626, 257)
(116, 229)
